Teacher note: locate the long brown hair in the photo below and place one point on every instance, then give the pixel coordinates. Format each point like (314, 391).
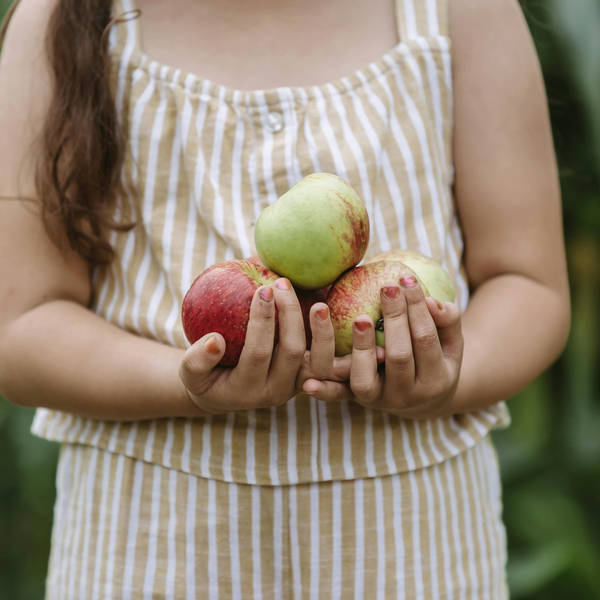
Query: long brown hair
(82, 145)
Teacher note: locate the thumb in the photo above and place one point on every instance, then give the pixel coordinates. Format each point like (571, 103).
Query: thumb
(198, 363)
(447, 319)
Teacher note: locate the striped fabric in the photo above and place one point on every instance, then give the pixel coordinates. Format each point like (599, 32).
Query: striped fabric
(124, 528)
(206, 159)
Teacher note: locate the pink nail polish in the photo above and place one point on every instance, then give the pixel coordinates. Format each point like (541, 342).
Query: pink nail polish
(362, 325)
(323, 313)
(283, 284)
(266, 294)
(391, 291)
(211, 345)
(408, 281)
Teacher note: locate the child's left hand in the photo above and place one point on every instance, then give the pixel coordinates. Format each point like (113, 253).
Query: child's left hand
(423, 356)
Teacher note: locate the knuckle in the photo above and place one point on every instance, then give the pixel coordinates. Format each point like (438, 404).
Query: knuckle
(293, 352)
(395, 310)
(362, 346)
(259, 354)
(361, 387)
(399, 359)
(426, 338)
(189, 363)
(264, 314)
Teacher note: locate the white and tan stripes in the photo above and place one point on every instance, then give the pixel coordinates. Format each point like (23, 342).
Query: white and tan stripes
(181, 536)
(203, 160)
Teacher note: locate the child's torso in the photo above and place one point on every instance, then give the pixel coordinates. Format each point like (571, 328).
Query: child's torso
(203, 159)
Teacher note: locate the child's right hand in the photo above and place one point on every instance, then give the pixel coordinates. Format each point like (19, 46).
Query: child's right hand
(266, 374)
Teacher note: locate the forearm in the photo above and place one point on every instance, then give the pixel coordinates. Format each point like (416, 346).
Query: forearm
(63, 356)
(514, 328)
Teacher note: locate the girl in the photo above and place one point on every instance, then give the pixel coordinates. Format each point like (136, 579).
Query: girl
(141, 139)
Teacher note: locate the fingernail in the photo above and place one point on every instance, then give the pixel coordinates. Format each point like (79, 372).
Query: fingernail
(408, 281)
(266, 294)
(211, 345)
(283, 284)
(323, 313)
(362, 325)
(391, 291)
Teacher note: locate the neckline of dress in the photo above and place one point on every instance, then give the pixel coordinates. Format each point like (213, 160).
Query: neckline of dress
(282, 95)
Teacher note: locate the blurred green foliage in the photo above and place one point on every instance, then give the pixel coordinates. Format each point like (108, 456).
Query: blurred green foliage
(550, 456)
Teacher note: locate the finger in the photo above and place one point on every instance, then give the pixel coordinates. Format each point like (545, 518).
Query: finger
(399, 359)
(365, 382)
(197, 370)
(341, 368)
(291, 343)
(447, 318)
(327, 391)
(255, 359)
(427, 350)
(322, 349)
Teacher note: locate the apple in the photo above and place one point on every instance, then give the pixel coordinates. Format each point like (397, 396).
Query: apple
(314, 232)
(431, 276)
(357, 292)
(219, 300)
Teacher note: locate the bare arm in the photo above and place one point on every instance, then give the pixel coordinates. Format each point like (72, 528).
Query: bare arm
(55, 352)
(508, 197)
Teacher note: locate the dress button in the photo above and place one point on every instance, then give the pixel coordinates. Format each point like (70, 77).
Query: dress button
(275, 121)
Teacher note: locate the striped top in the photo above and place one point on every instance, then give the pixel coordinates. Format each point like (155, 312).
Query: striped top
(206, 159)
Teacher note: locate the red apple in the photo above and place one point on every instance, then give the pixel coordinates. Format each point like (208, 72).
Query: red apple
(219, 300)
(357, 292)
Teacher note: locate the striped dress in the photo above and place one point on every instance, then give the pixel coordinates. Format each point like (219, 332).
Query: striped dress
(309, 499)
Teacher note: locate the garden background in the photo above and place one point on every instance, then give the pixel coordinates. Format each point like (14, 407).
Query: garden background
(550, 456)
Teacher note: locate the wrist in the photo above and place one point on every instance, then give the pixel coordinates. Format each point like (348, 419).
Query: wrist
(189, 405)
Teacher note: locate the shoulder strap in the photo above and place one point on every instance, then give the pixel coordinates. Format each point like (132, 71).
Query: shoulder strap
(123, 29)
(421, 18)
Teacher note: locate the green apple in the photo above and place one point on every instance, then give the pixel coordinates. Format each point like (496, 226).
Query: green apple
(314, 232)
(431, 276)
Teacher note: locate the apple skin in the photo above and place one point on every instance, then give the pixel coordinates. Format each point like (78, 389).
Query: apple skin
(431, 276)
(357, 292)
(219, 301)
(313, 232)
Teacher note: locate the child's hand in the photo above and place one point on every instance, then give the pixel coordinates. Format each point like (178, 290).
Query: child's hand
(265, 375)
(423, 355)
(320, 361)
